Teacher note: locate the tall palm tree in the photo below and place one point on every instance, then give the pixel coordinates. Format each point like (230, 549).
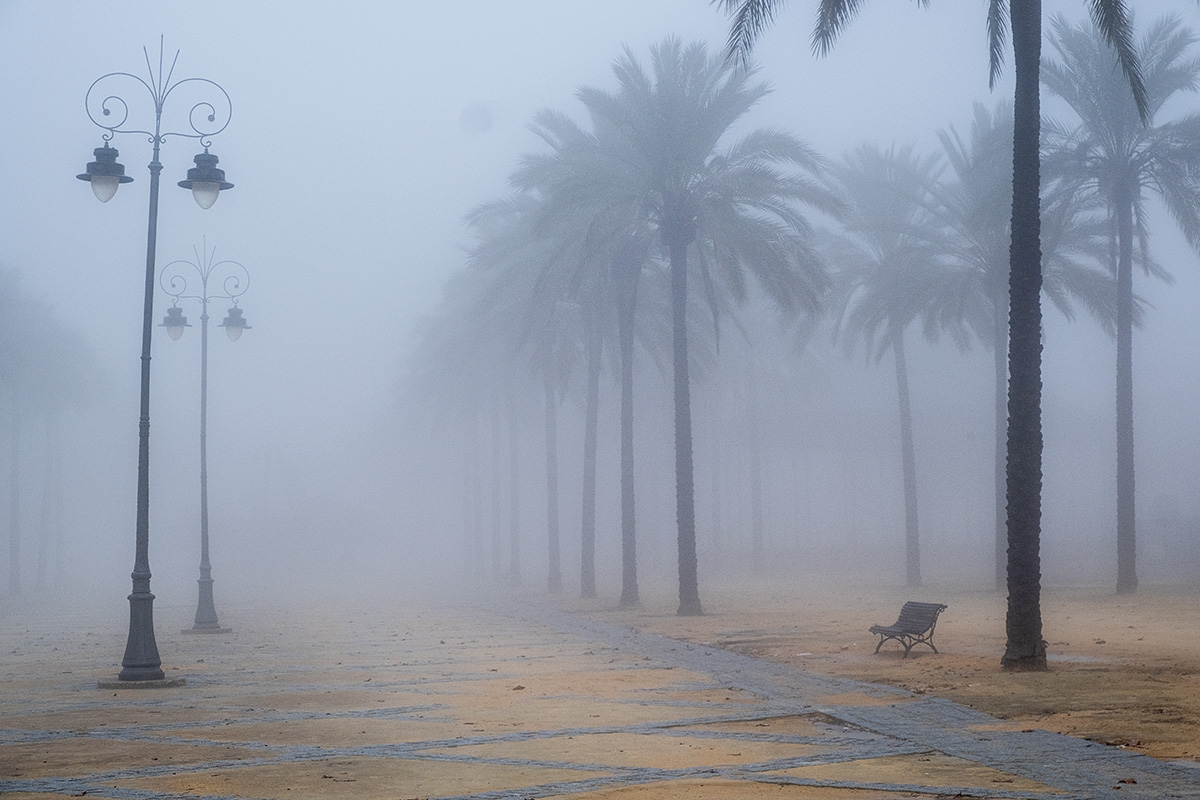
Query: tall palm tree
(728, 211)
(892, 276)
(1025, 648)
(1123, 159)
(656, 181)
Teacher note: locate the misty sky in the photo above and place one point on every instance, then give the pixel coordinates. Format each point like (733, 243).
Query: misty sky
(361, 134)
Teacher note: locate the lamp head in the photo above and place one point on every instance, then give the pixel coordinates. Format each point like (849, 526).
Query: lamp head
(205, 179)
(175, 322)
(234, 324)
(105, 174)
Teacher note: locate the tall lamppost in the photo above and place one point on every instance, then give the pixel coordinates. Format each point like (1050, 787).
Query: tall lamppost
(232, 282)
(209, 115)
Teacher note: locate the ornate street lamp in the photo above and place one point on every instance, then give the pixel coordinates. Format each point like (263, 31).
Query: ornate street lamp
(233, 280)
(208, 116)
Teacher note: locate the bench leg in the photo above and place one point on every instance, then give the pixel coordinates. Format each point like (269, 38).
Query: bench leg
(910, 645)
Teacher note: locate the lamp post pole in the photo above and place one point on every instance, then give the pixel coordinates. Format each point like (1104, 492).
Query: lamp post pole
(141, 665)
(233, 280)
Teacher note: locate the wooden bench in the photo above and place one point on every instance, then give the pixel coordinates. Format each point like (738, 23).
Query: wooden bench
(915, 626)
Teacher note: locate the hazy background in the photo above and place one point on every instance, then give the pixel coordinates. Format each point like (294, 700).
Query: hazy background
(361, 134)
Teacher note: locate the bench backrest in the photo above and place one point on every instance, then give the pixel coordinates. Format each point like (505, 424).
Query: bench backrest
(919, 617)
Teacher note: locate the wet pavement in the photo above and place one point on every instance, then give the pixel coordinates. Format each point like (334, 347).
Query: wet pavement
(511, 700)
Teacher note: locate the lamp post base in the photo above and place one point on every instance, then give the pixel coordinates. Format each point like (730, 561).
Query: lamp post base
(206, 612)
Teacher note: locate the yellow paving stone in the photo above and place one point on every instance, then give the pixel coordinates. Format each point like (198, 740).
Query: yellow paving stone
(932, 769)
(341, 700)
(695, 789)
(573, 712)
(356, 778)
(84, 755)
(328, 732)
(82, 720)
(638, 750)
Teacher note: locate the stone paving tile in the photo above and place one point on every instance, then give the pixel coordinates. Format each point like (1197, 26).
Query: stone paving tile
(516, 701)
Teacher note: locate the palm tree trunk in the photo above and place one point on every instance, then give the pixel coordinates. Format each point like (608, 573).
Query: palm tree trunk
(478, 559)
(14, 502)
(467, 473)
(717, 453)
(1025, 648)
(1000, 367)
(685, 502)
(627, 304)
(56, 494)
(587, 560)
(497, 513)
(908, 459)
(514, 495)
(554, 572)
(1126, 537)
(756, 488)
(48, 506)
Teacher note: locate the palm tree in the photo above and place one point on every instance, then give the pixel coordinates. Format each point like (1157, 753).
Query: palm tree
(727, 211)
(46, 369)
(527, 268)
(974, 208)
(584, 203)
(891, 277)
(1025, 647)
(449, 382)
(1122, 158)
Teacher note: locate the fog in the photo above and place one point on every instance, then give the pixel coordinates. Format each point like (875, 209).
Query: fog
(361, 134)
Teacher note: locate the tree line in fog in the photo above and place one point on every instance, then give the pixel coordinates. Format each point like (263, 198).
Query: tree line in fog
(655, 232)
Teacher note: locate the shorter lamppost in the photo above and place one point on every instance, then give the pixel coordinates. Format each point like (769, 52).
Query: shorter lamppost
(232, 282)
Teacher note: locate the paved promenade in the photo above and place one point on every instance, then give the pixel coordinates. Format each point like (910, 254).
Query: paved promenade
(512, 701)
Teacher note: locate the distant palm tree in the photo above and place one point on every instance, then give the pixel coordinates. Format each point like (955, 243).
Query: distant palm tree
(455, 379)
(1025, 647)
(526, 268)
(892, 276)
(728, 210)
(46, 369)
(586, 205)
(974, 206)
(1122, 157)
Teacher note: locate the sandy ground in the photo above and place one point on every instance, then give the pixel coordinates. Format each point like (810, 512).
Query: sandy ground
(1124, 673)
(1124, 670)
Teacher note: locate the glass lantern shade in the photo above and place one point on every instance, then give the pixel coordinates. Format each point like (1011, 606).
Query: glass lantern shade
(205, 193)
(104, 187)
(175, 322)
(105, 174)
(205, 179)
(234, 324)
